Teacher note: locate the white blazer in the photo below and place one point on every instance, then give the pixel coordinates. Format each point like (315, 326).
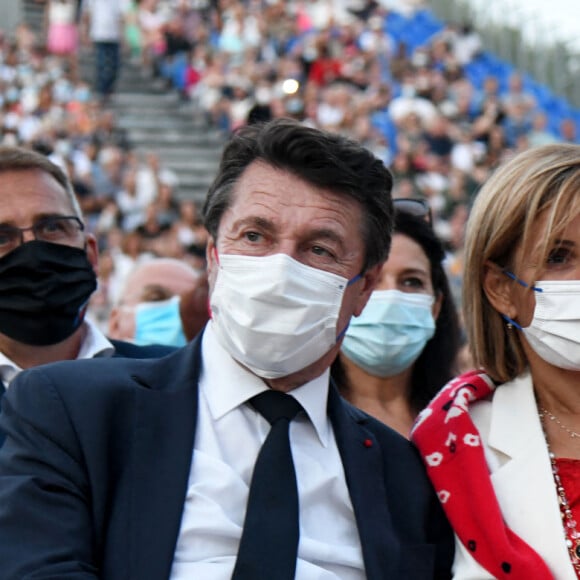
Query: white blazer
(521, 474)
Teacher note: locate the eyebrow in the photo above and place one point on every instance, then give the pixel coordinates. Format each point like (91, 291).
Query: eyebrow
(257, 221)
(559, 242)
(549, 246)
(155, 293)
(326, 234)
(416, 272)
(269, 226)
(37, 218)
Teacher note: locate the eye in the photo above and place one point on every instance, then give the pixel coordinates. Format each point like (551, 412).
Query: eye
(52, 226)
(320, 251)
(7, 236)
(253, 236)
(559, 256)
(413, 282)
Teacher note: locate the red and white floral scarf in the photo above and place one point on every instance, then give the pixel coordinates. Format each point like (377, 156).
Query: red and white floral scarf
(451, 449)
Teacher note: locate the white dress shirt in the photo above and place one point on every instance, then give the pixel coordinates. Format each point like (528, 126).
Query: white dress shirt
(94, 344)
(228, 438)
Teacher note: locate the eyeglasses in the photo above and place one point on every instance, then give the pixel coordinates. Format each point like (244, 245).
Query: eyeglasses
(55, 229)
(414, 206)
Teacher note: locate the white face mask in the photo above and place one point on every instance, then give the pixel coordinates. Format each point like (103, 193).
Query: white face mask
(273, 314)
(554, 333)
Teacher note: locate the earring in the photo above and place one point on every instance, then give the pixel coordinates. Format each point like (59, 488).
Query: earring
(510, 326)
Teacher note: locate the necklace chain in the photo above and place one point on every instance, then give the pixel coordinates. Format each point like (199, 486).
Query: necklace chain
(545, 413)
(571, 533)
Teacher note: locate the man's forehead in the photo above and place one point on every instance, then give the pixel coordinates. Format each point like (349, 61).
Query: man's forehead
(167, 280)
(31, 194)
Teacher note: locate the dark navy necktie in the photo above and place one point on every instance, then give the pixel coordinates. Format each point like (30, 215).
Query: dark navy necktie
(269, 545)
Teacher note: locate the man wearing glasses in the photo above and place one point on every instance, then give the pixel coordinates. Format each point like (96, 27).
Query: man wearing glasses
(48, 267)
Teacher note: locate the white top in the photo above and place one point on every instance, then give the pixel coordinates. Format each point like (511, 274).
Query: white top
(94, 344)
(106, 18)
(62, 12)
(521, 475)
(228, 438)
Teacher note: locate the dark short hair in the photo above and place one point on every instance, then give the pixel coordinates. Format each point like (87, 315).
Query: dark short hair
(324, 159)
(22, 159)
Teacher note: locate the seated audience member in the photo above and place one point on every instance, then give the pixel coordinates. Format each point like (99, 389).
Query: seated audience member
(501, 443)
(164, 301)
(48, 265)
(168, 468)
(401, 350)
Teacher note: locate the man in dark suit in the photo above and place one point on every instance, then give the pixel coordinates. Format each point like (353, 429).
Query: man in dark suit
(48, 267)
(125, 469)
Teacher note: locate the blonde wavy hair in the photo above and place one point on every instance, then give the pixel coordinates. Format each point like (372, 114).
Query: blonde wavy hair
(538, 180)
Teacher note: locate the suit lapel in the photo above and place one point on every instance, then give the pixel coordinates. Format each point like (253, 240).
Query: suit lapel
(2, 391)
(525, 479)
(364, 467)
(164, 436)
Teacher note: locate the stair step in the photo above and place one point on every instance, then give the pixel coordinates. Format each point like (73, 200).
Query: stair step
(155, 118)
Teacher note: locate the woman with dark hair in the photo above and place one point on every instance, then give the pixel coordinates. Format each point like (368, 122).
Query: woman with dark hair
(401, 350)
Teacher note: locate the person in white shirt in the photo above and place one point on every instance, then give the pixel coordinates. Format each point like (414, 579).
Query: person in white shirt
(103, 24)
(142, 469)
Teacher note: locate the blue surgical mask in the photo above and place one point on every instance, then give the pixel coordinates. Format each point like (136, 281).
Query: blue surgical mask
(159, 323)
(391, 332)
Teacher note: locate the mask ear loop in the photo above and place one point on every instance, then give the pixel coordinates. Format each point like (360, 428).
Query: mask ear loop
(343, 331)
(521, 282)
(509, 274)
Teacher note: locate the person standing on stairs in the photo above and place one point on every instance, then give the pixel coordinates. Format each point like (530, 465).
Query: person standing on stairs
(103, 25)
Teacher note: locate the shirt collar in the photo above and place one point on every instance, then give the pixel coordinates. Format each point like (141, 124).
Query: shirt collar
(232, 385)
(95, 344)
(8, 369)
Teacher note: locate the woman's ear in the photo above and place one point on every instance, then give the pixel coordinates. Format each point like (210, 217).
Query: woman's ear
(498, 289)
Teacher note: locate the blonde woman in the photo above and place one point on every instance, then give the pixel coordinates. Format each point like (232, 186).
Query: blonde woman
(502, 444)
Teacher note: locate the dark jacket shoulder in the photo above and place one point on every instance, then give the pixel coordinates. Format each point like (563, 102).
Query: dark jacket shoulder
(130, 350)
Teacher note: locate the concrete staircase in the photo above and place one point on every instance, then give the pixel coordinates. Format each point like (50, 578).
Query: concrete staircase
(156, 119)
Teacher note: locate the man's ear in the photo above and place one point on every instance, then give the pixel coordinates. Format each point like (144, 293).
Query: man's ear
(211, 259)
(114, 323)
(93, 252)
(210, 254)
(498, 289)
(369, 281)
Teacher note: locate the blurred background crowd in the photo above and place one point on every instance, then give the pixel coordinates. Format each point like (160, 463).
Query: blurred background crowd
(424, 95)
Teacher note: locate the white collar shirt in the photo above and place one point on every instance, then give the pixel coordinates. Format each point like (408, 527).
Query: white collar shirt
(94, 344)
(228, 438)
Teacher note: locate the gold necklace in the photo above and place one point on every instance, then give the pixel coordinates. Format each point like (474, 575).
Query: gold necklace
(571, 533)
(545, 413)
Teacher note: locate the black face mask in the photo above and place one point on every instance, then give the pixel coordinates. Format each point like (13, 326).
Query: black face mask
(44, 292)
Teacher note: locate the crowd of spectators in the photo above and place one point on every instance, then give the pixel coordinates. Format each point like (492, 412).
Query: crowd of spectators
(337, 65)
